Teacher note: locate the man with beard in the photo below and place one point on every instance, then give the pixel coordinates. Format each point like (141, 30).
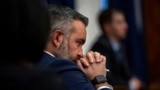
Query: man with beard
(21, 23)
(67, 36)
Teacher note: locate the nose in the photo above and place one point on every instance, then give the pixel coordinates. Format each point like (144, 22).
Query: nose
(80, 52)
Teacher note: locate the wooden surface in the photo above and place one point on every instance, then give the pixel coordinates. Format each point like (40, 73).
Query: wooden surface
(151, 12)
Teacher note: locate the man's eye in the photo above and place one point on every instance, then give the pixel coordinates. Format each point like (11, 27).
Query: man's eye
(79, 43)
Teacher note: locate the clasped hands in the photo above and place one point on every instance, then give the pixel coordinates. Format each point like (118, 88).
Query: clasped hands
(92, 64)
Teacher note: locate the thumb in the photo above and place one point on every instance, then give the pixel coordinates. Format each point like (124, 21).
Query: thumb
(80, 65)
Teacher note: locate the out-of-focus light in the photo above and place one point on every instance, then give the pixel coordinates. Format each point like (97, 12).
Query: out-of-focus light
(104, 4)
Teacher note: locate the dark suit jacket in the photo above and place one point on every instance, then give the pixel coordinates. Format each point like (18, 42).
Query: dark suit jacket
(73, 77)
(119, 73)
(19, 77)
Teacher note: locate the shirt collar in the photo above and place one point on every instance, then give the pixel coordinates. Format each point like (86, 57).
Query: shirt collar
(49, 53)
(115, 45)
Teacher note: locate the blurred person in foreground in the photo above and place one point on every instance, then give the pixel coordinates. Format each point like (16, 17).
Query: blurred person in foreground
(64, 50)
(114, 28)
(24, 31)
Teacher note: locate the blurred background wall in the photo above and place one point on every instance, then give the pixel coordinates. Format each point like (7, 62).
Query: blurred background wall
(143, 40)
(91, 10)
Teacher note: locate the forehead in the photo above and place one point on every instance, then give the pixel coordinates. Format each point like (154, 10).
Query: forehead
(79, 28)
(117, 16)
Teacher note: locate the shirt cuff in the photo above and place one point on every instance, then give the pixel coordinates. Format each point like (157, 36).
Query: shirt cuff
(103, 87)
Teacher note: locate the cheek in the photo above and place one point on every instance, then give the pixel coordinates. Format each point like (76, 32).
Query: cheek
(122, 31)
(119, 28)
(72, 47)
(73, 51)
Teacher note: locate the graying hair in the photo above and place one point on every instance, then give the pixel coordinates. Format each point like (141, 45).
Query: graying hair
(62, 17)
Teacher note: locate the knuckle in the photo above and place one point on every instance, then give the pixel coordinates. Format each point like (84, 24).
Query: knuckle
(97, 53)
(102, 57)
(88, 54)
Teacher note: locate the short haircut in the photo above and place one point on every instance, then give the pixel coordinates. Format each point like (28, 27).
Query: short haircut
(25, 28)
(106, 16)
(62, 17)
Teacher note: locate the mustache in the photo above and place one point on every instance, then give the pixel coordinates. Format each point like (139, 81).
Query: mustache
(76, 59)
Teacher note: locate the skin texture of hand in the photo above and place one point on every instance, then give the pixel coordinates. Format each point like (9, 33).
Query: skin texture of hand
(91, 58)
(135, 84)
(94, 57)
(93, 64)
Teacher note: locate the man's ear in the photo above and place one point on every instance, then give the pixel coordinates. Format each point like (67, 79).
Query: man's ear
(57, 38)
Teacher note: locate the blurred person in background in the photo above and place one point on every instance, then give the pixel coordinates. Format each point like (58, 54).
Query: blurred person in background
(24, 31)
(114, 27)
(64, 50)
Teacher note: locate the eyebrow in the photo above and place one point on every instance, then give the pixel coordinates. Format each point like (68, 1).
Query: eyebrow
(82, 40)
